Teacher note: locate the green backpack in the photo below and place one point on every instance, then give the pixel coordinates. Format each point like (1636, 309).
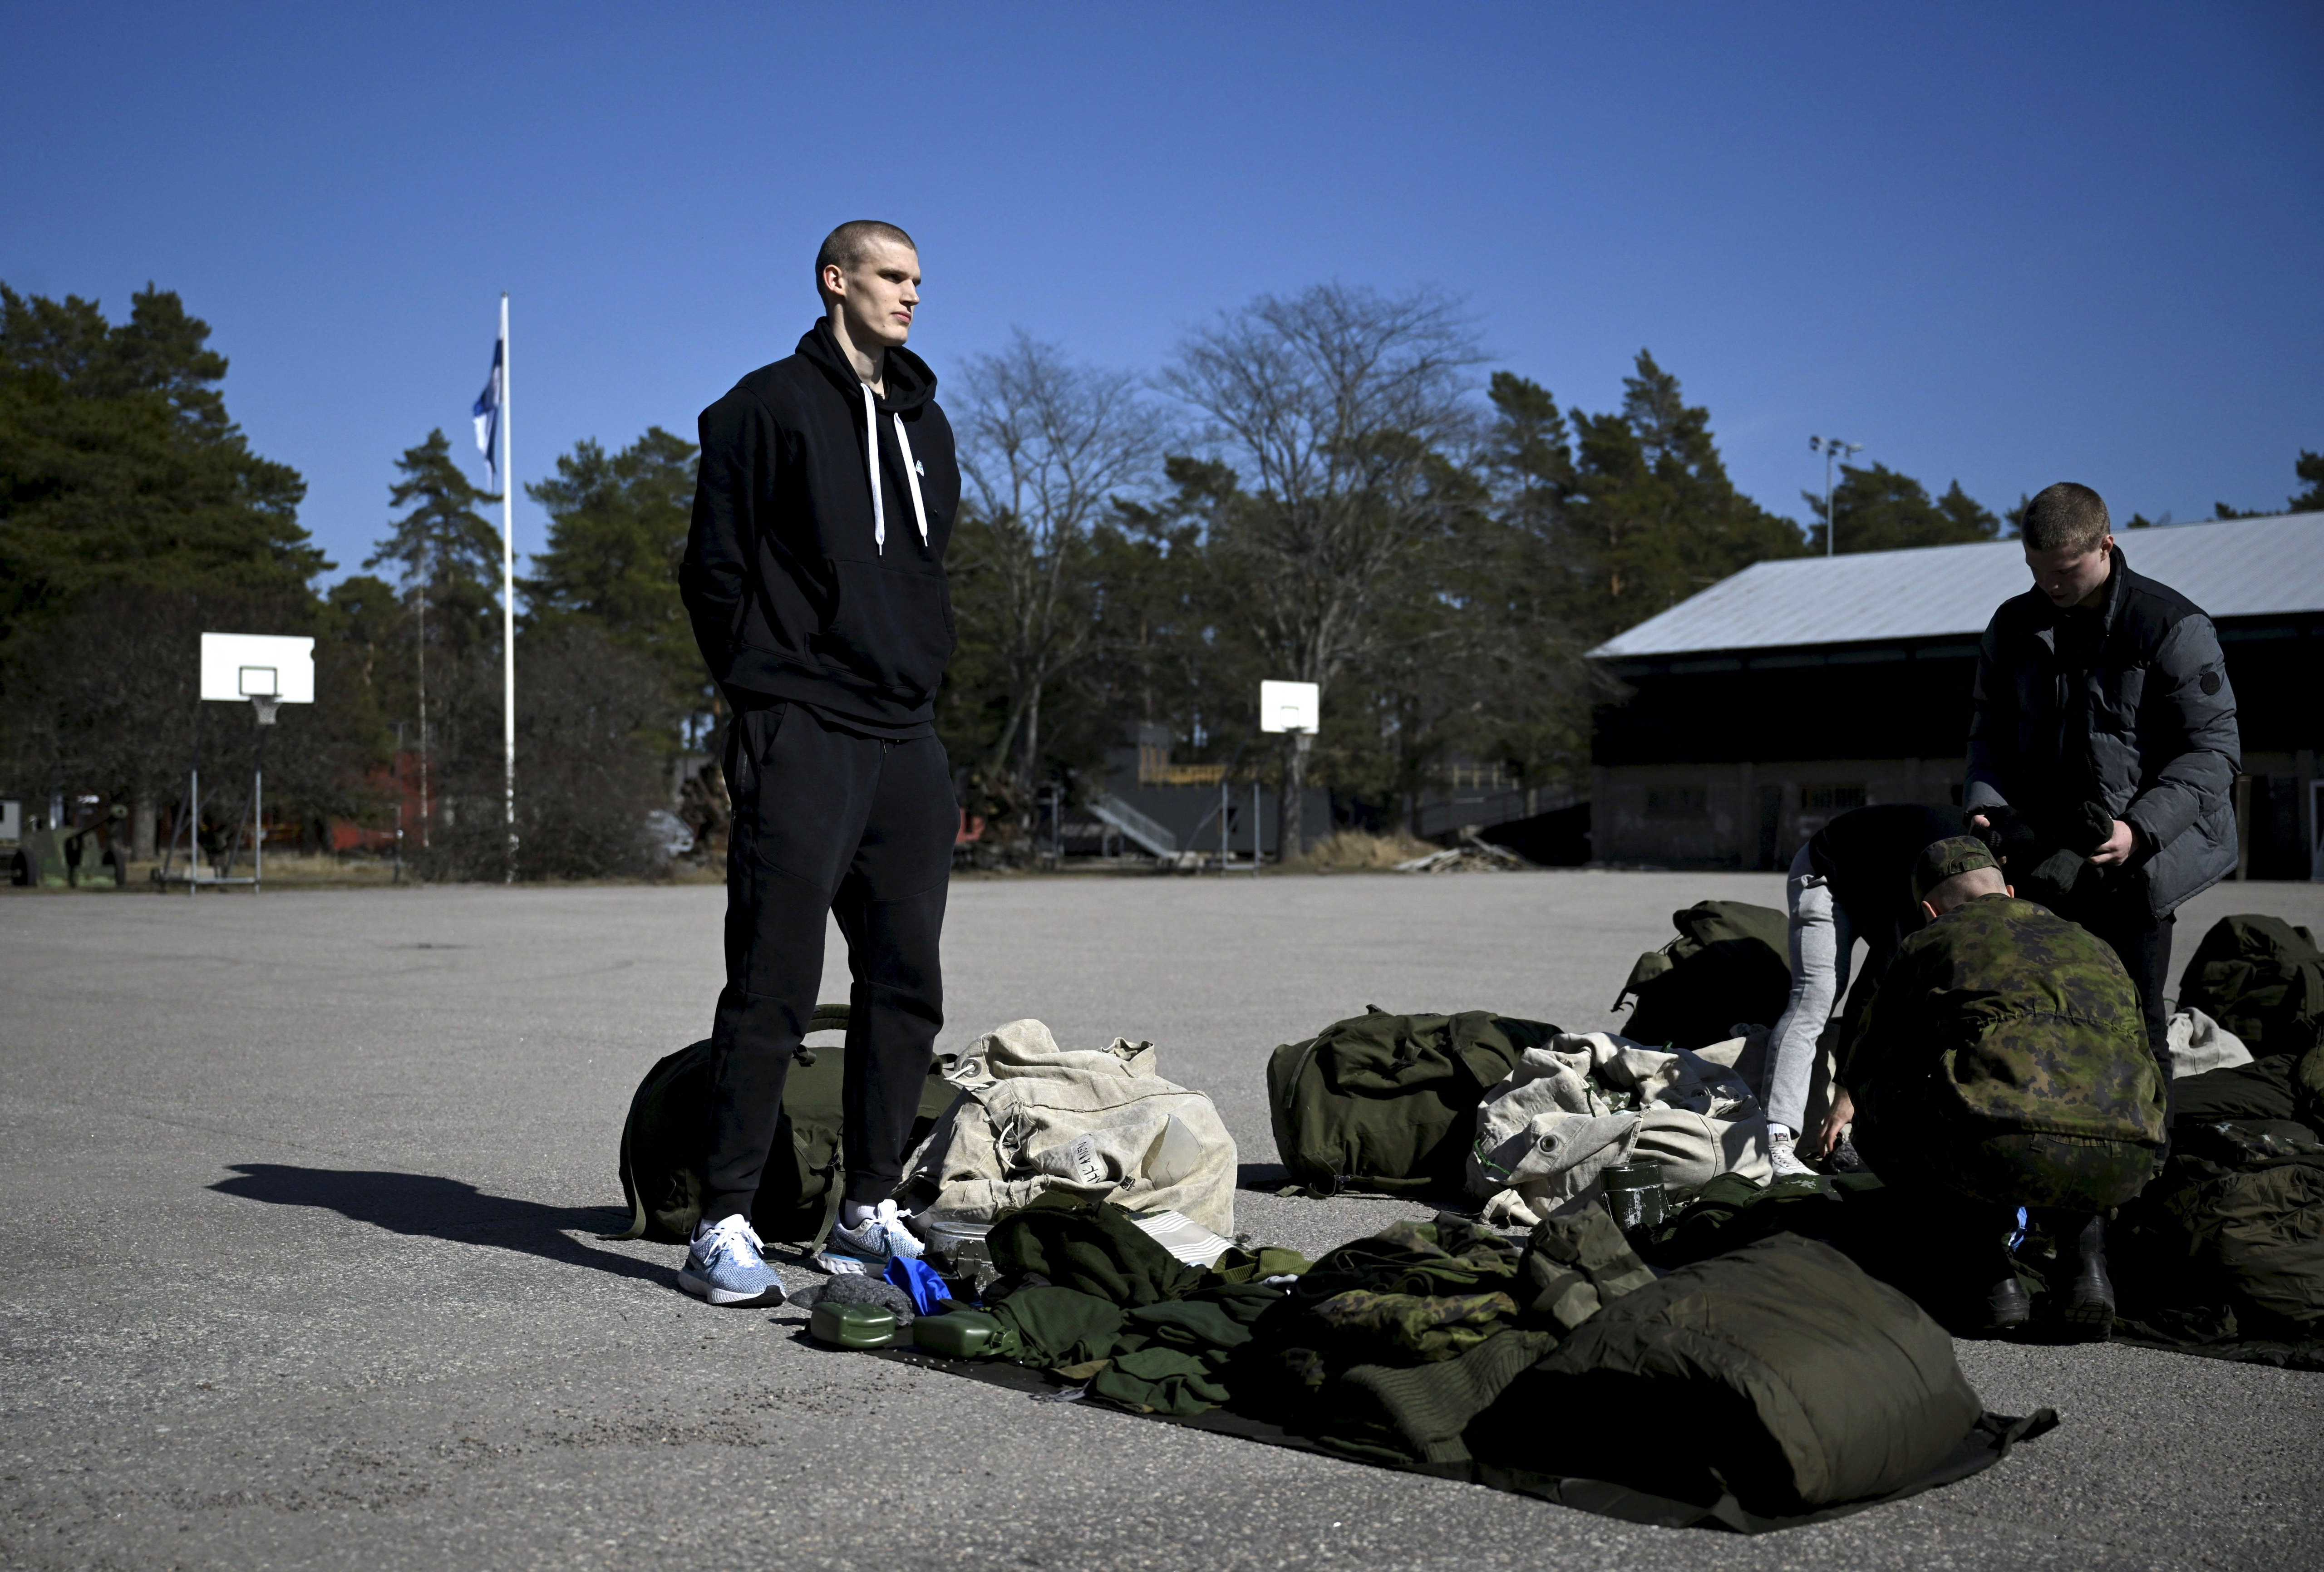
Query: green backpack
(2262, 978)
(1388, 1103)
(661, 1142)
(1726, 966)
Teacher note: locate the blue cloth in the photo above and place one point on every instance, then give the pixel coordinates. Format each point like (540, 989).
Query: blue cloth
(922, 1282)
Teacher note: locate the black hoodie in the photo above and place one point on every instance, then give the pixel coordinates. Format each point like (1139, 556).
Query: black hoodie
(792, 592)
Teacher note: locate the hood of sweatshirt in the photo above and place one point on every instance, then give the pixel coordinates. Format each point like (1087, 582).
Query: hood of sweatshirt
(815, 565)
(911, 382)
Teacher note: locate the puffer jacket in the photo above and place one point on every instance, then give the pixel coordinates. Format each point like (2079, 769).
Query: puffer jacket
(2140, 717)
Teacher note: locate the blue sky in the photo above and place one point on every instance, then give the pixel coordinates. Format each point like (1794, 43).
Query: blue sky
(2009, 244)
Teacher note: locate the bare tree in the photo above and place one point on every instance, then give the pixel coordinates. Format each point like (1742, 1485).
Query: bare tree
(1046, 446)
(1335, 406)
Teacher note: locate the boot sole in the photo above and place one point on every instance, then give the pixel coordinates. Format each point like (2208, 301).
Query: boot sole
(2094, 1319)
(703, 1289)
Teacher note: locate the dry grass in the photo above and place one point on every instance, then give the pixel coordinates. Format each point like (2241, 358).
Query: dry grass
(1357, 851)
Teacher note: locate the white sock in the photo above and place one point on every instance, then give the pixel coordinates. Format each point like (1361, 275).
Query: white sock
(1779, 1134)
(854, 1214)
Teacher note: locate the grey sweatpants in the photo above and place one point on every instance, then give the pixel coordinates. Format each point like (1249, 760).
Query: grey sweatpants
(1822, 940)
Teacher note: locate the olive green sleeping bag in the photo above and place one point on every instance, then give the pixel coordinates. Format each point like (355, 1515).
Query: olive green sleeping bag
(1779, 1372)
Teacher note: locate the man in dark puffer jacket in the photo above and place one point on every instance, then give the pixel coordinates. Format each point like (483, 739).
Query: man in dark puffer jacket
(2102, 698)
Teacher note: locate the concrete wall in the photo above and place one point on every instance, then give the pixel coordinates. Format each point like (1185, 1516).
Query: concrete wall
(1750, 814)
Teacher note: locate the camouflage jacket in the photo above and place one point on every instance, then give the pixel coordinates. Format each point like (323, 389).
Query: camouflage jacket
(2008, 1017)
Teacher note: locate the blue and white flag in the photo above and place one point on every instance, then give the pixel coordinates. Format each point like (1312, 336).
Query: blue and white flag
(488, 413)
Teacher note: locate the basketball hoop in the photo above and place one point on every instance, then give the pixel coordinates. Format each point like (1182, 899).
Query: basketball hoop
(265, 704)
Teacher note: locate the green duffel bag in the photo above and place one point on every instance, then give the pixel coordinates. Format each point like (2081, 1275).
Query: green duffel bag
(1388, 1103)
(2262, 978)
(1729, 966)
(669, 1115)
(2227, 1242)
(1779, 1372)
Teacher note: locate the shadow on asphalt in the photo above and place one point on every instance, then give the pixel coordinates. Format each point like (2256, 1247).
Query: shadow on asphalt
(1263, 1178)
(435, 1207)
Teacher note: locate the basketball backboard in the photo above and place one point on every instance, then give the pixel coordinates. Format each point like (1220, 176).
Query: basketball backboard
(242, 665)
(1289, 707)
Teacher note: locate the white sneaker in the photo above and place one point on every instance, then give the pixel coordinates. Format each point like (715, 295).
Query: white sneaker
(865, 1249)
(727, 1266)
(1785, 1162)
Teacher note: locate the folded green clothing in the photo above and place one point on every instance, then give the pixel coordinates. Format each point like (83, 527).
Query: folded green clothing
(1242, 1265)
(1161, 1379)
(1409, 1327)
(1573, 1264)
(1446, 1256)
(1415, 1413)
(1050, 1327)
(1209, 1318)
(1074, 1241)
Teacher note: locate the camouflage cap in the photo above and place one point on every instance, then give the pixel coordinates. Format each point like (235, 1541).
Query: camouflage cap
(1955, 854)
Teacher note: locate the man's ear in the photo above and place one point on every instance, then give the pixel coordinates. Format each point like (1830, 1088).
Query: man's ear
(1929, 912)
(2010, 890)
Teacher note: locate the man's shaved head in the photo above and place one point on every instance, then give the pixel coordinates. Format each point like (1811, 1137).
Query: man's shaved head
(851, 244)
(1964, 888)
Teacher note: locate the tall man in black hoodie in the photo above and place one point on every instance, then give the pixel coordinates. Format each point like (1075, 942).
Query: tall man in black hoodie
(813, 575)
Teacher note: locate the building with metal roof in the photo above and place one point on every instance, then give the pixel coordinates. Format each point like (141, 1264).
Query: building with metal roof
(1794, 690)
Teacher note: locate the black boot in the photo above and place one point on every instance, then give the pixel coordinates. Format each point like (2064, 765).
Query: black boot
(2006, 1305)
(2089, 1302)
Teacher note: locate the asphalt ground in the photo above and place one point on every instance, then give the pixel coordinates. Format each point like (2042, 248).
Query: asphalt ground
(298, 1209)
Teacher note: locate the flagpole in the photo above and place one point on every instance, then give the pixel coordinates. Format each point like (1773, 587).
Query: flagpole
(508, 598)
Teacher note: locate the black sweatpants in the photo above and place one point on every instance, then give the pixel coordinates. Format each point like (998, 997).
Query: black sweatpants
(2143, 944)
(826, 821)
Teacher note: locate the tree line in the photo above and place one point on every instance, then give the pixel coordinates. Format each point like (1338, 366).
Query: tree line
(1331, 487)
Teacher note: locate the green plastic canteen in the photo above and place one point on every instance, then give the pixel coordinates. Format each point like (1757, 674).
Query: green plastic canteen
(852, 1326)
(960, 1335)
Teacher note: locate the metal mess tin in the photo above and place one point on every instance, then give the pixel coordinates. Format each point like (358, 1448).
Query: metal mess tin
(1634, 1193)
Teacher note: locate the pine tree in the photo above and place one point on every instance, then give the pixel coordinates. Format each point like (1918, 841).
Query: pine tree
(1882, 511)
(450, 559)
(617, 528)
(119, 465)
(1653, 517)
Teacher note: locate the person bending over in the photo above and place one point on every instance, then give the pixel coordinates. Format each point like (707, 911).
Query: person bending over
(2002, 1062)
(1852, 880)
(814, 576)
(2103, 724)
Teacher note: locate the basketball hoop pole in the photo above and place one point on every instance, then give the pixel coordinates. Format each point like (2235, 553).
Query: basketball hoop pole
(194, 811)
(263, 705)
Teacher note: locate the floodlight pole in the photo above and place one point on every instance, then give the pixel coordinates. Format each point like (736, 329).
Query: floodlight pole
(508, 599)
(1831, 447)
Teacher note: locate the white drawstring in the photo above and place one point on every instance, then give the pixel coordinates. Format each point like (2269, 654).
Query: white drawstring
(872, 465)
(912, 479)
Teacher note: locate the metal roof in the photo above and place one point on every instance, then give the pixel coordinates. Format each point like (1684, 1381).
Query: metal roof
(2236, 567)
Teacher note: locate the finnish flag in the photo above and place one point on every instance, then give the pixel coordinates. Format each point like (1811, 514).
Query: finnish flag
(488, 412)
